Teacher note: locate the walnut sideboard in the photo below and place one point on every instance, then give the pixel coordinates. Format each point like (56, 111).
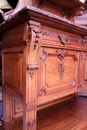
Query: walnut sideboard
(44, 58)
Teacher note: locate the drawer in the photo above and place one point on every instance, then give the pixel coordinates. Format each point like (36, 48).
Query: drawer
(58, 38)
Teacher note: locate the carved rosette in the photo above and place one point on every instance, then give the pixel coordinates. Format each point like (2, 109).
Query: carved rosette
(36, 36)
(31, 68)
(74, 83)
(31, 106)
(42, 92)
(31, 125)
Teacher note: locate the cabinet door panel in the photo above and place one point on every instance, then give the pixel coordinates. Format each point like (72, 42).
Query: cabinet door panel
(59, 70)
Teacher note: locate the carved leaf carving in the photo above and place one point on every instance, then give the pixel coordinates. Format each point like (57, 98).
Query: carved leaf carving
(31, 68)
(31, 125)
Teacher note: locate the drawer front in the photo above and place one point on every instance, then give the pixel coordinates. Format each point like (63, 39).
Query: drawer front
(58, 38)
(58, 71)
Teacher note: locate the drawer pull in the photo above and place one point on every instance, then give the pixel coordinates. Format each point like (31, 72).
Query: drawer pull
(63, 41)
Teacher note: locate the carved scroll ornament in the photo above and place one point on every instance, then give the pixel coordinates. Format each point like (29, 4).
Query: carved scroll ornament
(31, 68)
(31, 125)
(63, 41)
(45, 54)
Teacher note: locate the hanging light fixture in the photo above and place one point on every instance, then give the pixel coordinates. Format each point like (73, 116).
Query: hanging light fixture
(4, 4)
(83, 1)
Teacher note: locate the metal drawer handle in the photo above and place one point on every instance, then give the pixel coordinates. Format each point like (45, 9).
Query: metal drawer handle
(63, 41)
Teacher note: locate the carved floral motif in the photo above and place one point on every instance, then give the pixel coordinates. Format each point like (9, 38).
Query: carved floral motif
(36, 36)
(61, 69)
(31, 106)
(31, 125)
(61, 54)
(31, 68)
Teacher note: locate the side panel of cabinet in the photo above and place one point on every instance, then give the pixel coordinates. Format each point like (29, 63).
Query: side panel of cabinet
(12, 73)
(59, 72)
(13, 70)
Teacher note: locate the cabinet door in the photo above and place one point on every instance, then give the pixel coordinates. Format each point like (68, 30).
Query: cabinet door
(58, 71)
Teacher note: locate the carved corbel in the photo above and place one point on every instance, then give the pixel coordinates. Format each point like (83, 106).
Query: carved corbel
(78, 11)
(31, 68)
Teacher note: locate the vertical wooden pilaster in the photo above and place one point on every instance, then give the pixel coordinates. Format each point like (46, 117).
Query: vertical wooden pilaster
(30, 89)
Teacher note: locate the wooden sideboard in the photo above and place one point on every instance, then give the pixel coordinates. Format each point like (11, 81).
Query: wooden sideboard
(44, 58)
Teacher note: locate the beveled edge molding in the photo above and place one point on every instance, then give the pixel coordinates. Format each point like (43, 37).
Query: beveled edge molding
(31, 125)
(31, 106)
(31, 68)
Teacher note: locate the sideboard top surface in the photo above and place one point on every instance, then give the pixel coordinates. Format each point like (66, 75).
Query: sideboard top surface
(45, 18)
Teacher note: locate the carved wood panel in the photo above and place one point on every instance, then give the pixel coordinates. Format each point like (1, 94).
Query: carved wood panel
(59, 71)
(13, 105)
(17, 108)
(13, 71)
